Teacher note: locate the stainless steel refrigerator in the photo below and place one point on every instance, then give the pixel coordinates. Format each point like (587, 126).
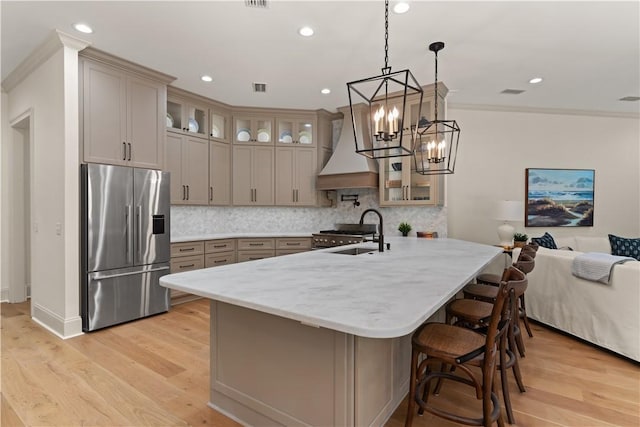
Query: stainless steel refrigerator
(125, 246)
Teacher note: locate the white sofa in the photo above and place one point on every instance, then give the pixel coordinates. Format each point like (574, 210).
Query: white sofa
(606, 315)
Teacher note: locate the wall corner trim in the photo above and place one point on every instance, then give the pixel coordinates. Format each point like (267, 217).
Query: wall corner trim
(55, 41)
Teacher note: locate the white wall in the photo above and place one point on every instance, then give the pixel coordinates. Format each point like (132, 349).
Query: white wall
(49, 90)
(4, 168)
(497, 146)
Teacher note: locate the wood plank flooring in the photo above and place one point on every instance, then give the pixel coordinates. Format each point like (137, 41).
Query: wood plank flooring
(155, 371)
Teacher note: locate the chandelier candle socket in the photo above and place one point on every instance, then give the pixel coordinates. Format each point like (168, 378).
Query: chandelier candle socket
(388, 131)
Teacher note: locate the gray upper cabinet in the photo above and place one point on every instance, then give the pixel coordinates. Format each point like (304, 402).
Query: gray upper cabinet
(122, 114)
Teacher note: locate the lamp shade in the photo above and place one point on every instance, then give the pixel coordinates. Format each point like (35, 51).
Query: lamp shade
(509, 210)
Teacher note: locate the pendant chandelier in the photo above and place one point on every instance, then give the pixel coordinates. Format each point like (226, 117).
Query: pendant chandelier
(386, 130)
(437, 141)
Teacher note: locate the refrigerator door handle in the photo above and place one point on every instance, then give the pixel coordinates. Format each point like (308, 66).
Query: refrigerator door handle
(128, 237)
(131, 273)
(139, 230)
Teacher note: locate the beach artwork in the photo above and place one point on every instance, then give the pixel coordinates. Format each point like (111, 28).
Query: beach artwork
(559, 197)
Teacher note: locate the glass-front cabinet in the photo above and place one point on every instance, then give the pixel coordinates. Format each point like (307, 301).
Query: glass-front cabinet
(400, 184)
(219, 125)
(253, 130)
(298, 131)
(187, 117)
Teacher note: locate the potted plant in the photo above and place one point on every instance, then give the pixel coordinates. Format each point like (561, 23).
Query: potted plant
(404, 228)
(519, 239)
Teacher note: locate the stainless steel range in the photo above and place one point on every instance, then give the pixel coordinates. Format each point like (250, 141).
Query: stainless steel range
(344, 234)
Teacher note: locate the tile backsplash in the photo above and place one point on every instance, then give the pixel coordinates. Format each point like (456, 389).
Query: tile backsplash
(204, 220)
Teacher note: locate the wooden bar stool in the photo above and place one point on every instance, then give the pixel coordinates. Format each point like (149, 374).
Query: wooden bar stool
(494, 279)
(462, 349)
(481, 291)
(476, 314)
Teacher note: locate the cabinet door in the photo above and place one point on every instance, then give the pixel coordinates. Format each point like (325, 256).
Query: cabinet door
(219, 173)
(285, 172)
(104, 114)
(263, 175)
(306, 172)
(145, 117)
(174, 166)
(242, 188)
(195, 170)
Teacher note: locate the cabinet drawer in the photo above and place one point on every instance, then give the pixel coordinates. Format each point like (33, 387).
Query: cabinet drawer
(297, 243)
(187, 263)
(187, 249)
(258, 244)
(217, 259)
(213, 246)
(280, 252)
(255, 255)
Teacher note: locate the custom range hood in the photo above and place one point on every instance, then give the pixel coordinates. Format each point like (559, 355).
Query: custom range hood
(346, 168)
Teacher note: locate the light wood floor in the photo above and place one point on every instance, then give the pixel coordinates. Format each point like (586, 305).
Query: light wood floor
(155, 371)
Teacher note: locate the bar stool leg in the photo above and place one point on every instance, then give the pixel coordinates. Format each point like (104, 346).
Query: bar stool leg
(523, 310)
(412, 388)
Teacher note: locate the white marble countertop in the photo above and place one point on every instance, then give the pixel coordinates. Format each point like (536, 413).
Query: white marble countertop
(378, 295)
(273, 234)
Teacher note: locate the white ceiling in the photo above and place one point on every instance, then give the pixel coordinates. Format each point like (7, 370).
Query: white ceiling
(587, 52)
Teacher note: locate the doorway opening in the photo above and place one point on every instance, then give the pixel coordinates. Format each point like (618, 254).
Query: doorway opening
(18, 250)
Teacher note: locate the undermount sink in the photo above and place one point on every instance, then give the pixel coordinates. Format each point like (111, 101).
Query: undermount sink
(355, 251)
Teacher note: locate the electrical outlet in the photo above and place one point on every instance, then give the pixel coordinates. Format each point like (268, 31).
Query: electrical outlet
(58, 229)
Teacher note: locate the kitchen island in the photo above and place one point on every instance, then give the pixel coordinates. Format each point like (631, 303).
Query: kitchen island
(321, 338)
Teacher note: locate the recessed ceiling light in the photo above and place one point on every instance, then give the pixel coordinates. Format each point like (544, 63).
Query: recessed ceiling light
(306, 31)
(83, 28)
(535, 80)
(325, 91)
(401, 7)
(206, 78)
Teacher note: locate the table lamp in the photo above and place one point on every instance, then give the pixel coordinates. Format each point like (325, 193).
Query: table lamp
(508, 210)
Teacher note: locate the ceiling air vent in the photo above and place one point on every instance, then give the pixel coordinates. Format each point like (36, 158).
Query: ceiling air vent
(512, 91)
(259, 87)
(630, 98)
(256, 3)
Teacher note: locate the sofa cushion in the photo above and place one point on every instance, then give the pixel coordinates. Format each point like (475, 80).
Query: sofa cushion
(546, 241)
(566, 243)
(593, 244)
(623, 246)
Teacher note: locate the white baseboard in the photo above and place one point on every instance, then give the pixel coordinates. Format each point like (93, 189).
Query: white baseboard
(4, 295)
(63, 328)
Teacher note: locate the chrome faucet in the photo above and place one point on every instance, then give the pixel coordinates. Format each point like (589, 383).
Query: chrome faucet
(381, 235)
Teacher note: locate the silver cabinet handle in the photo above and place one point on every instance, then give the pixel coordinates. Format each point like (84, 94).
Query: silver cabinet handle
(210, 193)
(124, 150)
(129, 151)
(187, 192)
(184, 192)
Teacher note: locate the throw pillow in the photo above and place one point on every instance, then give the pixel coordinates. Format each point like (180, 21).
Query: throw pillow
(546, 241)
(622, 246)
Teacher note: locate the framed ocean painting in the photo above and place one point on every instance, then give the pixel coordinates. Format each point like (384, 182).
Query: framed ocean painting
(559, 197)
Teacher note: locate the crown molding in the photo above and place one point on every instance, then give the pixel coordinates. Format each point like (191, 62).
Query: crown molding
(42, 53)
(539, 110)
(114, 61)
